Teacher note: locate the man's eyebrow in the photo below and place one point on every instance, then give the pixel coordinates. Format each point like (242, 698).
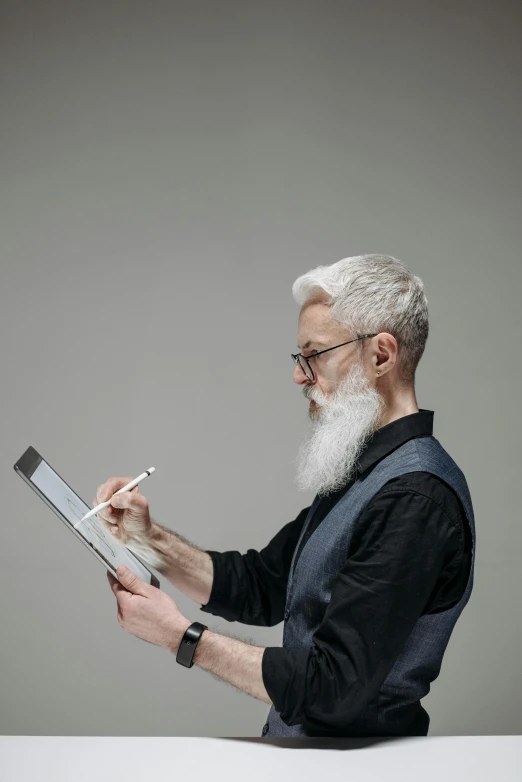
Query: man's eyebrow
(312, 342)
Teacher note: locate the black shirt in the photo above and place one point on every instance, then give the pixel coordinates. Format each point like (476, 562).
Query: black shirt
(410, 554)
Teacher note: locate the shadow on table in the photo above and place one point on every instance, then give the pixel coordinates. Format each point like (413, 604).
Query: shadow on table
(307, 742)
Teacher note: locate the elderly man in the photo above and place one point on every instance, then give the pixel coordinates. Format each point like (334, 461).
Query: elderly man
(371, 578)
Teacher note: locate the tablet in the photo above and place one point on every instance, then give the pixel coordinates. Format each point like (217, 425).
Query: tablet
(69, 507)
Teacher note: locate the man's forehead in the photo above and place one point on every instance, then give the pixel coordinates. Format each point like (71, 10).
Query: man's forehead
(316, 327)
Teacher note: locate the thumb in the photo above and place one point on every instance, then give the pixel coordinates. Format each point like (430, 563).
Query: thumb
(131, 581)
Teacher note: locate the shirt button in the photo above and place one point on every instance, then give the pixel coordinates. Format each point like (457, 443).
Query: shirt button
(265, 729)
(287, 613)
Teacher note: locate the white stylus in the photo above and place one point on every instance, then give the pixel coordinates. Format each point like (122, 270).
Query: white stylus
(129, 486)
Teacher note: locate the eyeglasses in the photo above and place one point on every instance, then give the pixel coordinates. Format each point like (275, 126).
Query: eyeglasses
(305, 364)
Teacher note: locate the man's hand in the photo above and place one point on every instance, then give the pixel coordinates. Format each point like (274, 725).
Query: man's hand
(150, 614)
(147, 612)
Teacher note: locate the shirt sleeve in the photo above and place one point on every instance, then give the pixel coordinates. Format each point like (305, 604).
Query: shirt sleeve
(251, 588)
(400, 546)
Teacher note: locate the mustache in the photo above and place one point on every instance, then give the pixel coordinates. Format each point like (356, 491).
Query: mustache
(311, 398)
(308, 392)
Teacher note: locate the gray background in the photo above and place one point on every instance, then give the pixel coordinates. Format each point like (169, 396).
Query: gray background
(168, 169)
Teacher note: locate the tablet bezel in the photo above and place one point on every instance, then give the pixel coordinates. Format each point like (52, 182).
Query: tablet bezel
(25, 467)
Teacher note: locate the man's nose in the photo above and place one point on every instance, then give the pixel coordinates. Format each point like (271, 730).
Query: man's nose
(300, 377)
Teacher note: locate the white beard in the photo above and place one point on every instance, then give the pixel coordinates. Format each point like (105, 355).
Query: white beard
(341, 426)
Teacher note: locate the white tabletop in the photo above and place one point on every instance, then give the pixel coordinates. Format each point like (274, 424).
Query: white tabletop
(143, 759)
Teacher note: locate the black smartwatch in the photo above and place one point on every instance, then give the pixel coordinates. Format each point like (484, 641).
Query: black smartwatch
(188, 644)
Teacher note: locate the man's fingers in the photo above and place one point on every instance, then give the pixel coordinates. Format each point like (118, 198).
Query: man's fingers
(129, 500)
(107, 489)
(115, 584)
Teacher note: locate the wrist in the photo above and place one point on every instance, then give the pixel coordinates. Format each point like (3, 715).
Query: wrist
(156, 534)
(157, 547)
(181, 626)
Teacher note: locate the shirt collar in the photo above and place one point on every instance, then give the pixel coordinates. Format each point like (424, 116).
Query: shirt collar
(389, 437)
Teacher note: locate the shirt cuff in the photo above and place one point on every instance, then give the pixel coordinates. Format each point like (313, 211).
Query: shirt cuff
(284, 673)
(219, 600)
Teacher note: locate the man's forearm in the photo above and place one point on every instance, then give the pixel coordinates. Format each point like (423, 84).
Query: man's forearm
(233, 661)
(187, 567)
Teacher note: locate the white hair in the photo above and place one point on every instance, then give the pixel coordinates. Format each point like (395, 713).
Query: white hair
(371, 294)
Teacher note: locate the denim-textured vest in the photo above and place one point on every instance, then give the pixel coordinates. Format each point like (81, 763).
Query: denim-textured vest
(324, 554)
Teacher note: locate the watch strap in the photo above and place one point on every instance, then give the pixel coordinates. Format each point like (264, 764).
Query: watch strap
(189, 643)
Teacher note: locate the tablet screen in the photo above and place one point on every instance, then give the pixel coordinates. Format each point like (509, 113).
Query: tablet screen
(73, 508)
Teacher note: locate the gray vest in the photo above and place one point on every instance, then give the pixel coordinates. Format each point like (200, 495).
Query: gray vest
(324, 554)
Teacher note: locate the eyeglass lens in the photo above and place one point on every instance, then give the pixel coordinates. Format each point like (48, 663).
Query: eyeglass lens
(306, 369)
